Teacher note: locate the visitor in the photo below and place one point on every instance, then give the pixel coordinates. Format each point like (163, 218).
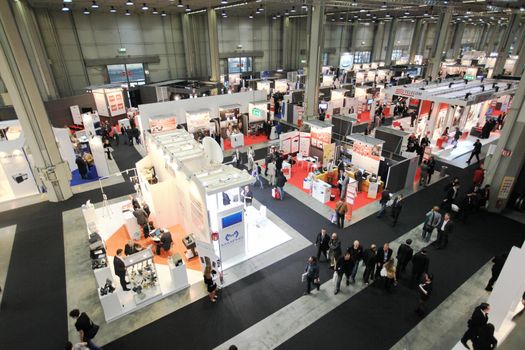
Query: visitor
(107, 148)
(479, 176)
(116, 138)
(397, 205)
(444, 230)
(343, 186)
(431, 163)
(165, 241)
(312, 274)
(340, 211)
(450, 197)
(136, 134)
(457, 135)
(383, 256)
(247, 195)
(485, 339)
(432, 220)
(129, 133)
(344, 266)
(271, 172)
(211, 286)
(476, 151)
(120, 269)
(356, 252)
(389, 273)
(420, 263)
(424, 291)
(87, 330)
(498, 263)
(321, 243)
(131, 247)
(385, 197)
(423, 175)
(476, 322)
(279, 183)
(370, 260)
(335, 251)
(82, 166)
(256, 173)
(404, 255)
(77, 346)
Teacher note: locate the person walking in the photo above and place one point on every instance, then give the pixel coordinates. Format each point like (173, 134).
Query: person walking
(344, 266)
(423, 175)
(120, 269)
(312, 275)
(477, 321)
(340, 211)
(499, 262)
(271, 172)
(424, 290)
(280, 182)
(256, 173)
(370, 260)
(476, 151)
(356, 252)
(404, 255)
(420, 263)
(87, 330)
(107, 148)
(334, 246)
(321, 242)
(396, 208)
(385, 197)
(450, 197)
(388, 272)
(383, 256)
(432, 220)
(444, 230)
(457, 135)
(431, 168)
(211, 286)
(485, 339)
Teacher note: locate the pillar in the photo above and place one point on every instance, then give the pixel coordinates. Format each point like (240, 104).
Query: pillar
(21, 84)
(519, 66)
(437, 51)
(422, 46)
(456, 40)
(189, 52)
(518, 43)
(504, 45)
(33, 42)
(390, 43)
(414, 43)
(492, 35)
(501, 169)
(482, 38)
(286, 59)
(316, 35)
(379, 33)
(213, 39)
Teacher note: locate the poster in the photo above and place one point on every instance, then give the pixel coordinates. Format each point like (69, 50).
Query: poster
(320, 136)
(197, 120)
(366, 156)
(304, 144)
(18, 178)
(289, 142)
(100, 102)
(506, 187)
(328, 152)
(75, 114)
(157, 125)
(116, 103)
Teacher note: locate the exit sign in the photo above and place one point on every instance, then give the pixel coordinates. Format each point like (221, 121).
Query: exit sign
(256, 112)
(122, 50)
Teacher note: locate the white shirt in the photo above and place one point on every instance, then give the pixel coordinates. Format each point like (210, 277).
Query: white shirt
(443, 225)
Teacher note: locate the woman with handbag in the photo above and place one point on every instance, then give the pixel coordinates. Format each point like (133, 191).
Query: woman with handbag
(312, 274)
(389, 274)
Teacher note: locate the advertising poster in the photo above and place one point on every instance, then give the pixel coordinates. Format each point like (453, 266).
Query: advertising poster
(289, 142)
(328, 152)
(346, 61)
(197, 121)
(366, 156)
(18, 181)
(320, 136)
(231, 237)
(100, 102)
(157, 125)
(304, 144)
(116, 103)
(75, 114)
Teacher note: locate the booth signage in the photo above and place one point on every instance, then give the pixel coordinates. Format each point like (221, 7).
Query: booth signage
(506, 186)
(407, 93)
(506, 152)
(257, 112)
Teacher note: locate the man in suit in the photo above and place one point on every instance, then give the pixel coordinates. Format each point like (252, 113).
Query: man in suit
(476, 151)
(498, 261)
(369, 259)
(120, 269)
(420, 262)
(385, 197)
(404, 255)
(321, 242)
(432, 220)
(396, 208)
(382, 257)
(444, 229)
(478, 320)
(356, 252)
(450, 197)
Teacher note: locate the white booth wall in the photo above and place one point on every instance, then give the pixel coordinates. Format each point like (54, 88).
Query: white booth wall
(16, 177)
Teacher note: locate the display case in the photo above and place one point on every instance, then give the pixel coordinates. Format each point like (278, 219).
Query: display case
(142, 274)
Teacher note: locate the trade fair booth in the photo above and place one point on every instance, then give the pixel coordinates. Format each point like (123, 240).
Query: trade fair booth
(110, 100)
(264, 85)
(440, 108)
(197, 200)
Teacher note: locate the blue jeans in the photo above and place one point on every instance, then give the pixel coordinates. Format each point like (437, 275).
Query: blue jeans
(382, 210)
(281, 192)
(92, 345)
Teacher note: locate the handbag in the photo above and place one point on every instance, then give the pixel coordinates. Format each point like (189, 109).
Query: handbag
(334, 277)
(303, 277)
(383, 272)
(333, 218)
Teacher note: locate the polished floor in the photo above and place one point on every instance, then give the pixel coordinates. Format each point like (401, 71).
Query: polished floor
(264, 309)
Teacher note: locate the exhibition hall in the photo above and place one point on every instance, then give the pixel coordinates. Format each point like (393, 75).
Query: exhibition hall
(215, 169)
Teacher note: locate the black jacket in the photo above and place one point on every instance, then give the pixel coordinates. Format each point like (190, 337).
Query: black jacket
(322, 241)
(477, 148)
(118, 265)
(344, 266)
(385, 197)
(499, 261)
(281, 180)
(449, 226)
(420, 262)
(356, 254)
(335, 247)
(381, 255)
(166, 240)
(478, 319)
(370, 257)
(404, 252)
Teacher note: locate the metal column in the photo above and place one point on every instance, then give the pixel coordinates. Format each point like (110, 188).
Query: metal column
(213, 38)
(189, 52)
(52, 172)
(456, 40)
(314, 59)
(414, 43)
(504, 45)
(437, 53)
(390, 43)
(504, 170)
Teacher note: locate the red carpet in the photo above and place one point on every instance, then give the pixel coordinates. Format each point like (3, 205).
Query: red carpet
(248, 140)
(298, 175)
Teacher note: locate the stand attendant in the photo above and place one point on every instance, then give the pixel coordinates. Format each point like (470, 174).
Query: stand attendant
(120, 269)
(211, 286)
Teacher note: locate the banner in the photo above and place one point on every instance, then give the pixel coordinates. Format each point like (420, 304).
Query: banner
(366, 156)
(304, 144)
(116, 103)
(157, 125)
(328, 152)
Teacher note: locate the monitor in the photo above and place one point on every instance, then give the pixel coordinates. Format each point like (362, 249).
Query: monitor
(323, 105)
(231, 219)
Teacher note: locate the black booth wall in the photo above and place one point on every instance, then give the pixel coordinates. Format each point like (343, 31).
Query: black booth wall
(59, 112)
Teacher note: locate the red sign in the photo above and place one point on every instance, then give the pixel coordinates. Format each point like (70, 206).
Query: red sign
(506, 153)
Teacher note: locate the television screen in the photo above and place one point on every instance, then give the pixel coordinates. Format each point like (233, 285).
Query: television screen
(323, 105)
(231, 219)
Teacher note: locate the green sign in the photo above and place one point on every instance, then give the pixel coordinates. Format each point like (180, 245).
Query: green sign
(256, 112)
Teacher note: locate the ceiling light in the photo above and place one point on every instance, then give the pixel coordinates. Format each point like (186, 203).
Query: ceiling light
(129, 3)
(250, 16)
(273, 17)
(65, 8)
(180, 5)
(261, 8)
(163, 14)
(362, 10)
(278, 15)
(94, 5)
(333, 19)
(293, 9)
(223, 13)
(224, 2)
(304, 7)
(387, 15)
(522, 8)
(86, 11)
(407, 13)
(368, 14)
(67, 1)
(127, 13)
(145, 7)
(188, 9)
(257, 12)
(155, 12)
(384, 5)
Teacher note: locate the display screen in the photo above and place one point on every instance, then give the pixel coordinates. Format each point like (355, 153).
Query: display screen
(231, 219)
(323, 105)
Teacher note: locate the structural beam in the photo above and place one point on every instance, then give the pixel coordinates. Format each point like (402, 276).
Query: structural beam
(504, 45)
(414, 43)
(459, 29)
(441, 36)
(189, 51)
(316, 37)
(213, 40)
(391, 41)
(51, 172)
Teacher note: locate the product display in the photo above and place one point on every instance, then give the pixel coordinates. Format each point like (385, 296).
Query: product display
(142, 274)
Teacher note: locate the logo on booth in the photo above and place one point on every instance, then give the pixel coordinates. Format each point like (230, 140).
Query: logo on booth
(231, 236)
